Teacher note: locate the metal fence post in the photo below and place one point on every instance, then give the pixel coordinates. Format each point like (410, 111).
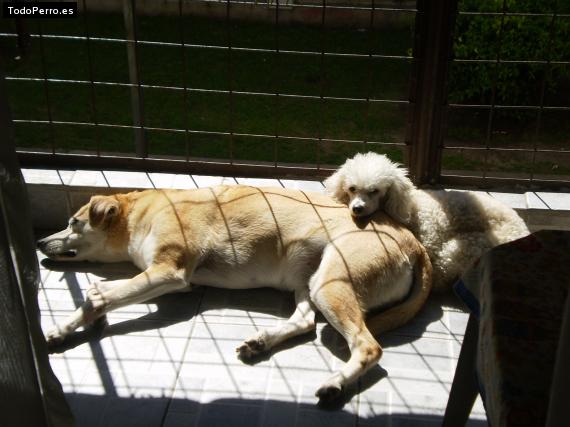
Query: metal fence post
(137, 107)
(432, 49)
(24, 38)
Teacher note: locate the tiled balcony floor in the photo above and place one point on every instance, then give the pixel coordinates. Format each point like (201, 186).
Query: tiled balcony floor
(172, 362)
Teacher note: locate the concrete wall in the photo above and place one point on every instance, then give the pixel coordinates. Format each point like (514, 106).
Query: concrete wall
(55, 195)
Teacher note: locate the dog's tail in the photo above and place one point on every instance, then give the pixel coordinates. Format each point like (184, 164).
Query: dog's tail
(404, 311)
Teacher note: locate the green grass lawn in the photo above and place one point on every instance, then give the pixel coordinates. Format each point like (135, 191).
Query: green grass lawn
(216, 69)
(468, 128)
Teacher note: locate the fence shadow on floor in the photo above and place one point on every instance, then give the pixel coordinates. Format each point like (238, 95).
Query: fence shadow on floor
(100, 410)
(175, 308)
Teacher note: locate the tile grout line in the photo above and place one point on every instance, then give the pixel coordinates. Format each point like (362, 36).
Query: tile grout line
(42, 288)
(389, 397)
(358, 393)
(183, 357)
(266, 394)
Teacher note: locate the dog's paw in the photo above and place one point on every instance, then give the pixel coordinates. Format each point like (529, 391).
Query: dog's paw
(251, 347)
(329, 392)
(55, 336)
(95, 296)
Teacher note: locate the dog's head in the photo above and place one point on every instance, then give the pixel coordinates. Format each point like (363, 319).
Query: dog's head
(87, 232)
(369, 182)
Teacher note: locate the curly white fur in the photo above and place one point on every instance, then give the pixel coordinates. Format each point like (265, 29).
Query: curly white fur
(456, 227)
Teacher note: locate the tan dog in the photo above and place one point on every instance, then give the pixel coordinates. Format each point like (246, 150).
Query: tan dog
(239, 237)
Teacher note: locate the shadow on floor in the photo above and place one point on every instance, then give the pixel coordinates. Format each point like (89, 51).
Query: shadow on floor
(96, 410)
(176, 308)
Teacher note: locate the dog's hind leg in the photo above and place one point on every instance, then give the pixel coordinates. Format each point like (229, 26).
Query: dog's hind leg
(102, 298)
(336, 299)
(302, 321)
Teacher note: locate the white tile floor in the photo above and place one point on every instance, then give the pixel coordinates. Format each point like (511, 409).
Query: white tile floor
(171, 362)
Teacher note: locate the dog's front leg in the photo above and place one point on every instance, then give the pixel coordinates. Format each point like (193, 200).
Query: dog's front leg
(302, 320)
(104, 297)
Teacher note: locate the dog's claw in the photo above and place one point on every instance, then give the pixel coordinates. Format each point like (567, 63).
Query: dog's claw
(250, 348)
(54, 336)
(329, 393)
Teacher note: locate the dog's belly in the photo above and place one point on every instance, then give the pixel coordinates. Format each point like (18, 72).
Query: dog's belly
(242, 277)
(262, 270)
(247, 263)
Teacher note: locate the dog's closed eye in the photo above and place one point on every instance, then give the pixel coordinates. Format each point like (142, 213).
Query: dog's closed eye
(372, 192)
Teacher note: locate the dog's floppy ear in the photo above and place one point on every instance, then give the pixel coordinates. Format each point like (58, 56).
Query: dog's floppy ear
(102, 209)
(399, 198)
(334, 187)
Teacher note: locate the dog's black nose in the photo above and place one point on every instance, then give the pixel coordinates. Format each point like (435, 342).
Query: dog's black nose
(357, 209)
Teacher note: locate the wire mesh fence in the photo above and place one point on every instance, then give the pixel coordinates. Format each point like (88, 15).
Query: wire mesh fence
(283, 88)
(212, 89)
(509, 94)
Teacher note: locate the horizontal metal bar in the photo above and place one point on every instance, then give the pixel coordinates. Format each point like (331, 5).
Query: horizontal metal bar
(149, 164)
(510, 107)
(217, 47)
(508, 61)
(219, 91)
(447, 179)
(529, 14)
(207, 132)
(524, 150)
(315, 6)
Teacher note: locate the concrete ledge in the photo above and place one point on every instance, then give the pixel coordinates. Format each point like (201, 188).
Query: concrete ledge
(546, 219)
(55, 194)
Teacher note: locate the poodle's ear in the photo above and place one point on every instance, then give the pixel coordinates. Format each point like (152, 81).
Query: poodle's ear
(399, 198)
(334, 187)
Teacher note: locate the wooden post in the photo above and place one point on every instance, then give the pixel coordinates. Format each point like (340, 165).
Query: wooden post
(464, 389)
(30, 395)
(432, 50)
(137, 106)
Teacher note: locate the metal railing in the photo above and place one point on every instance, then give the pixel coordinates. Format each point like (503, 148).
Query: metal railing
(489, 154)
(423, 142)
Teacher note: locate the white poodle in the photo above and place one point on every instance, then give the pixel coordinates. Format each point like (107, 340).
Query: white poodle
(455, 227)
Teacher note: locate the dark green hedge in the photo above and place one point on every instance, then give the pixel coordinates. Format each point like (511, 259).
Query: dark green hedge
(535, 38)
